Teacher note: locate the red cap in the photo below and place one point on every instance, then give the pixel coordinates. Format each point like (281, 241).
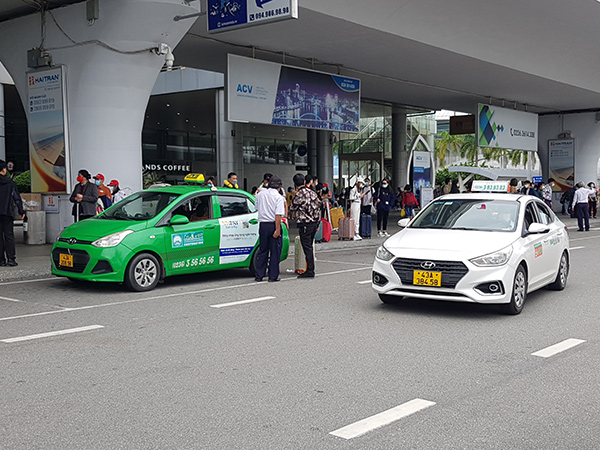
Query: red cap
(113, 183)
(325, 185)
(100, 177)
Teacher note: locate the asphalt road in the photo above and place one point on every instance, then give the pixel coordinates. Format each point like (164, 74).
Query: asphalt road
(297, 367)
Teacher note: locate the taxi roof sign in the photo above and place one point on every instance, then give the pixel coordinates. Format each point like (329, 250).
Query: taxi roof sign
(194, 178)
(490, 186)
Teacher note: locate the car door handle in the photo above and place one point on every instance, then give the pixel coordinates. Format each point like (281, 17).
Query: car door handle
(210, 227)
(253, 221)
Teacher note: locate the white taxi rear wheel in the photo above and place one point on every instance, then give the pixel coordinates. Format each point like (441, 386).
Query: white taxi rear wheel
(143, 273)
(563, 273)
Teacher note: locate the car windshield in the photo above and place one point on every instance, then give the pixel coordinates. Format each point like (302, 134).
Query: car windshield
(140, 206)
(469, 214)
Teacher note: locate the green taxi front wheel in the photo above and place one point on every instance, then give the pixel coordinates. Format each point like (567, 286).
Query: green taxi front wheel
(143, 273)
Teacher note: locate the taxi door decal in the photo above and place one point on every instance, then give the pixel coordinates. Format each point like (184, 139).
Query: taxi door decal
(539, 249)
(237, 239)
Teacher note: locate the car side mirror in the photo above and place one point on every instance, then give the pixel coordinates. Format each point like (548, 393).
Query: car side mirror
(538, 228)
(403, 222)
(179, 219)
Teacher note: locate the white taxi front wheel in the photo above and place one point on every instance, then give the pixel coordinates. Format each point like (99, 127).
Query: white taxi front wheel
(143, 273)
(519, 293)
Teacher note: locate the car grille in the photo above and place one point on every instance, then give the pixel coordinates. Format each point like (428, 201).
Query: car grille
(80, 259)
(73, 241)
(452, 271)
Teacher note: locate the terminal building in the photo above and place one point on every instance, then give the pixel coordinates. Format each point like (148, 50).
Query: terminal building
(134, 88)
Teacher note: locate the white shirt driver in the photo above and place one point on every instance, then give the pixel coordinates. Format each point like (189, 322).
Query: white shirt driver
(269, 203)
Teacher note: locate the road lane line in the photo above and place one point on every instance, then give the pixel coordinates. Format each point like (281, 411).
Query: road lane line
(364, 282)
(177, 294)
(384, 418)
(8, 299)
(6, 283)
(242, 302)
(557, 348)
(344, 262)
(577, 248)
(51, 333)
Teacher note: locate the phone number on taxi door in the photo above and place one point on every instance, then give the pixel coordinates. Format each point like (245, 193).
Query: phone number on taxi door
(194, 262)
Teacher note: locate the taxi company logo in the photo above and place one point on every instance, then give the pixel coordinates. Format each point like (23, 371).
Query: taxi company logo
(428, 265)
(177, 241)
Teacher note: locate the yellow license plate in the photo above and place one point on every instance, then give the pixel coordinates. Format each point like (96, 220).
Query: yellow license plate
(65, 260)
(426, 278)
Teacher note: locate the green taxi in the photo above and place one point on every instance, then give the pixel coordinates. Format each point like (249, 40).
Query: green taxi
(160, 232)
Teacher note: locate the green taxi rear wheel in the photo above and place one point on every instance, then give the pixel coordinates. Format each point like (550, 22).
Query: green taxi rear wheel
(143, 273)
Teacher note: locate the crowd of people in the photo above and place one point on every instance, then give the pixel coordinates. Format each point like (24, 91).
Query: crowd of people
(90, 198)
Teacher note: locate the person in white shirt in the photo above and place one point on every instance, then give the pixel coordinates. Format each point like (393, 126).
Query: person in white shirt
(355, 198)
(581, 206)
(270, 206)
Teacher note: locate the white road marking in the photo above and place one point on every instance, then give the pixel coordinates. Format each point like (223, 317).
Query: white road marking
(242, 302)
(384, 418)
(51, 333)
(6, 283)
(557, 348)
(8, 299)
(178, 294)
(364, 282)
(344, 262)
(577, 248)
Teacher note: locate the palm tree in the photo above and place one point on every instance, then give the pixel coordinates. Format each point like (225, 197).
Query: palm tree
(469, 148)
(447, 143)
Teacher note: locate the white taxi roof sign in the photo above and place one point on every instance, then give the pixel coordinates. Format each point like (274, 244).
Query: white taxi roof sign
(194, 178)
(490, 186)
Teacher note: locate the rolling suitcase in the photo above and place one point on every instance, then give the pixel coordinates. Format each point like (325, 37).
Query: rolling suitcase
(365, 225)
(346, 228)
(319, 233)
(299, 257)
(325, 230)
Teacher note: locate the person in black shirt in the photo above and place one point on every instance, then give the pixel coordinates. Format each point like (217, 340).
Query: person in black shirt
(8, 196)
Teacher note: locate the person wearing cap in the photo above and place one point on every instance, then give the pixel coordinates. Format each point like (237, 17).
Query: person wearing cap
(104, 194)
(84, 197)
(117, 193)
(270, 207)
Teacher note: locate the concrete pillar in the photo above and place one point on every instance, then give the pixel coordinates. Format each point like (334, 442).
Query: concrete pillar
(311, 142)
(2, 129)
(325, 157)
(111, 68)
(399, 152)
(229, 143)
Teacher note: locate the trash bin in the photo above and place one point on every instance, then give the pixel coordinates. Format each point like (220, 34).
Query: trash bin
(34, 229)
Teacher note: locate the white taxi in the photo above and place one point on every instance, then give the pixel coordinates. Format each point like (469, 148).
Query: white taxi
(491, 248)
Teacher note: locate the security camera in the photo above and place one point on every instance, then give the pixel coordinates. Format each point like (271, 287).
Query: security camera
(169, 59)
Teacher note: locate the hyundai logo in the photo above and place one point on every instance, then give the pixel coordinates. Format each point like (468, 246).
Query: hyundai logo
(72, 241)
(428, 265)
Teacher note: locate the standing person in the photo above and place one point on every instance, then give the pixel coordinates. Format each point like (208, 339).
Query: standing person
(367, 200)
(211, 183)
(117, 193)
(547, 192)
(84, 197)
(447, 186)
(385, 201)
(528, 189)
(581, 207)
(513, 186)
(342, 197)
(231, 181)
(9, 195)
(355, 198)
(104, 193)
(265, 183)
(270, 207)
(438, 191)
(593, 200)
(409, 201)
(306, 208)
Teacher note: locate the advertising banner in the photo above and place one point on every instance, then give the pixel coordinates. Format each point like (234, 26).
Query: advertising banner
(224, 15)
(561, 162)
(269, 93)
(48, 151)
(507, 128)
(421, 172)
(237, 240)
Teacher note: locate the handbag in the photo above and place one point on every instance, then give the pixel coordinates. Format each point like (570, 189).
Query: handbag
(402, 212)
(373, 209)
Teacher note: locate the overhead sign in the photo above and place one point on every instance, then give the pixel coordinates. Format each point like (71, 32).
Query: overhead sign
(561, 162)
(48, 142)
(462, 125)
(507, 128)
(270, 93)
(224, 15)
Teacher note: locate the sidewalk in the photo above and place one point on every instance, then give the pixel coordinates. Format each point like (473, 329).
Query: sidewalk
(34, 260)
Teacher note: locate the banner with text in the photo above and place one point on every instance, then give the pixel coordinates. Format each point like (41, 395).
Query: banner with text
(561, 162)
(421, 172)
(269, 93)
(507, 128)
(48, 143)
(224, 15)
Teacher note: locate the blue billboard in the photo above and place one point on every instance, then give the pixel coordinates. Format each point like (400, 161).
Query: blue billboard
(224, 15)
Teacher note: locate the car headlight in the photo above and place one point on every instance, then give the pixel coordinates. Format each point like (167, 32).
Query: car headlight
(384, 254)
(111, 240)
(498, 258)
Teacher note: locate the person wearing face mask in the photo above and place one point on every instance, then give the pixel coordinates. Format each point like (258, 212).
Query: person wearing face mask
(104, 193)
(528, 189)
(211, 183)
(385, 200)
(231, 181)
(84, 197)
(117, 193)
(355, 198)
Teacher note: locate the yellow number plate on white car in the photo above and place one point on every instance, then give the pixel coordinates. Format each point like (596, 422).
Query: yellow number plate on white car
(426, 278)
